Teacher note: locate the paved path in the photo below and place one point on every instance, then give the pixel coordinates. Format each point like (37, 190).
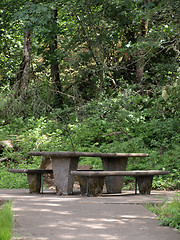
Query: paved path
(116, 217)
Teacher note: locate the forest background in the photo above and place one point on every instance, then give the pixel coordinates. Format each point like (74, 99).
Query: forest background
(90, 75)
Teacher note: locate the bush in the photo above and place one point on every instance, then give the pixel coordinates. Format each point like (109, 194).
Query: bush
(14, 180)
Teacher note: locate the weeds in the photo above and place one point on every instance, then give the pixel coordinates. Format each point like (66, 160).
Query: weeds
(168, 212)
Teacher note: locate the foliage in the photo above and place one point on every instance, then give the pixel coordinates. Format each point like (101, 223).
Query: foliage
(168, 212)
(98, 44)
(109, 125)
(6, 221)
(10, 180)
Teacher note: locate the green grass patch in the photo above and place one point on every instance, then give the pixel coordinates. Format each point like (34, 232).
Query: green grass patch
(6, 221)
(168, 212)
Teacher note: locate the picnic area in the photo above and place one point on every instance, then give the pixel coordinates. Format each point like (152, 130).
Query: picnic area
(89, 119)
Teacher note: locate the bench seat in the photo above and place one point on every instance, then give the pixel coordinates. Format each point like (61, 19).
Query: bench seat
(92, 181)
(35, 178)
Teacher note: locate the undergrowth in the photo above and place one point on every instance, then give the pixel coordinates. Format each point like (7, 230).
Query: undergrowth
(168, 212)
(109, 125)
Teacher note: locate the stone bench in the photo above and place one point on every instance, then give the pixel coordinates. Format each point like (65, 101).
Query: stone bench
(92, 181)
(35, 178)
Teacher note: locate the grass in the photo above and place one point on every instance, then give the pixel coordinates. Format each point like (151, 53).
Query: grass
(168, 212)
(6, 221)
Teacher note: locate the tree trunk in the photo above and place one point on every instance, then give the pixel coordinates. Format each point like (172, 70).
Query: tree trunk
(54, 64)
(140, 67)
(23, 74)
(141, 61)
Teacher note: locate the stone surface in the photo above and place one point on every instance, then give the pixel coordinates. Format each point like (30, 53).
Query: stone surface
(63, 179)
(34, 181)
(91, 186)
(145, 184)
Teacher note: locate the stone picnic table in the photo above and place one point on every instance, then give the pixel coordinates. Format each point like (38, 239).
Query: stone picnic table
(63, 162)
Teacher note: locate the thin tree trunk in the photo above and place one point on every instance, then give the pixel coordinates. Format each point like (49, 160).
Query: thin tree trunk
(140, 67)
(55, 65)
(141, 61)
(23, 74)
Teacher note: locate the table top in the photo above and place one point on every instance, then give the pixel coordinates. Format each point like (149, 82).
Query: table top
(86, 154)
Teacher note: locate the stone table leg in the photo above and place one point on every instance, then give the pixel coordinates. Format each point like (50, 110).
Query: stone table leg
(114, 183)
(63, 179)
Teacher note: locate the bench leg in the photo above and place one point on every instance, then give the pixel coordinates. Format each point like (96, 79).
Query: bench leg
(136, 183)
(145, 184)
(34, 181)
(114, 183)
(41, 183)
(91, 186)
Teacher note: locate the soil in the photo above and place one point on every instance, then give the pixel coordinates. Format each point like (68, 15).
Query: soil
(2, 202)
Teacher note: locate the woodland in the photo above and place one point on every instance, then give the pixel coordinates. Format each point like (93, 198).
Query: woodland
(90, 75)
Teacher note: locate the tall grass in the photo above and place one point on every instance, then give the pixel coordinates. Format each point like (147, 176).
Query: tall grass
(6, 221)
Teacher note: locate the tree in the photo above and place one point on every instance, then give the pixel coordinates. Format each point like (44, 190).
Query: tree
(143, 33)
(10, 44)
(24, 74)
(53, 46)
(91, 48)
